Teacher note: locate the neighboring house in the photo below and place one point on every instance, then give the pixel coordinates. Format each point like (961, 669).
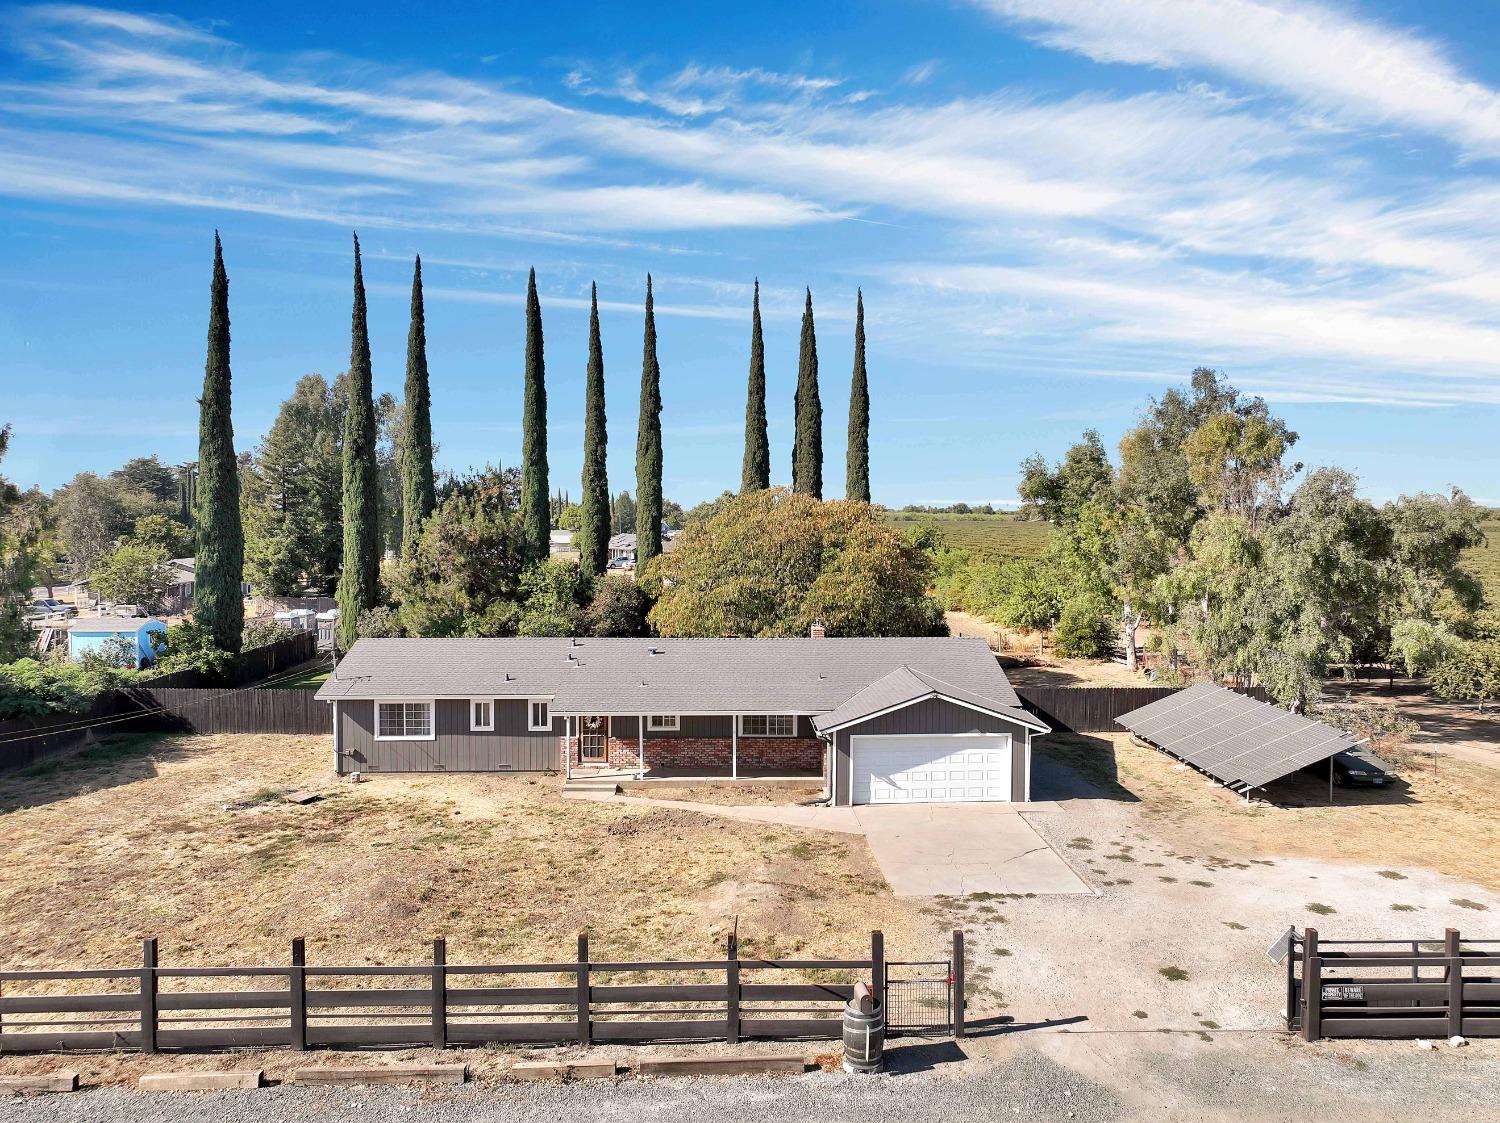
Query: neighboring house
(184, 578)
(622, 547)
(91, 633)
(923, 720)
(560, 544)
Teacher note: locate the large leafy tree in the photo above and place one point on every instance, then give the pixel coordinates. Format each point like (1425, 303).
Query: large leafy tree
(622, 513)
(463, 576)
(807, 441)
(359, 582)
(648, 457)
(772, 562)
(293, 495)
(554, 595)
(536, 507)
(594, 527)
(857, 460)
(755, 470)
(90, 519)
(15, 566)
(619, 608)
(133, 573)
(218, 604)
(418, 490)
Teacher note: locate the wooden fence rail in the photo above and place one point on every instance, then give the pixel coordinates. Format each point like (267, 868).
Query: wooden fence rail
(1093, 709)
(300, 1005)
(1393, 988)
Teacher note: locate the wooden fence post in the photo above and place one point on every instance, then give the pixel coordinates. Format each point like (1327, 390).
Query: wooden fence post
(732, 989)
(1453, 949)
(148, 995)
(585, 1025)
(440, 993)
(877, 966)
(1312, 987)
(296, 977)
(959, 1028)
(1291, 980)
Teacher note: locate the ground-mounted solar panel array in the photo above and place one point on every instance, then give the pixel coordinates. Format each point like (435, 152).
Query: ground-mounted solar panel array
(1237, 740)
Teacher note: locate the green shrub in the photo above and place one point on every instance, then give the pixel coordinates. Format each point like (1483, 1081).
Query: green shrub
(189, 646)
(1084, 629)
(29, 688)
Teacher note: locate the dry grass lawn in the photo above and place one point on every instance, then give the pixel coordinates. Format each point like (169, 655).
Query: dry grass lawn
(742, 793)
(190, 839)
(1445, 819)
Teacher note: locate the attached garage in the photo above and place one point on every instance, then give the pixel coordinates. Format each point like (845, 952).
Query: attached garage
(911, 738)
(932, 769)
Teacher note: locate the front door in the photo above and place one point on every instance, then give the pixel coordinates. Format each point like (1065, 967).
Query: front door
(593, 740)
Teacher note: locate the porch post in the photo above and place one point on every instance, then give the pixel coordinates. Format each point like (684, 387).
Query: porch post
(734, 747)
(640, 754)
(567, 746)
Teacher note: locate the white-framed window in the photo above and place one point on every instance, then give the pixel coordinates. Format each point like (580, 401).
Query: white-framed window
(404, 721)
(658, 723)
(481, 715)
(539, 715)
(768, 725)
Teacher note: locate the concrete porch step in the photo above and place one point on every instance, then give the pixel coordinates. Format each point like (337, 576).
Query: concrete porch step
(591, 785)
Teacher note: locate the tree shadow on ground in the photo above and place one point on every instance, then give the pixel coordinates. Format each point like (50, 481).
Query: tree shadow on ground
(1076, 766)
(106, 763)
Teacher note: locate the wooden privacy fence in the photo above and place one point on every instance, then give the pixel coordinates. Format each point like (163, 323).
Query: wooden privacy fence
(208, 710)
(1093, 709)
(299, 1005)
(249, 666)
(1393, 988)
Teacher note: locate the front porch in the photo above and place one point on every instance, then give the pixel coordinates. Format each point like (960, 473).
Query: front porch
(682, 748)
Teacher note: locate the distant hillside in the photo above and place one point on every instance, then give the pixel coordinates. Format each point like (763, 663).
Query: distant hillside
(993, 536)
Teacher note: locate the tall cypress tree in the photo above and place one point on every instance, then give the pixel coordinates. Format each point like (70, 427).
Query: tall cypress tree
(807, 446)
(857, 476)
(755, 473)
(536, 508)
(648, 448)
(418, 492)
(593, 537)
(217, 602)
(359, 583)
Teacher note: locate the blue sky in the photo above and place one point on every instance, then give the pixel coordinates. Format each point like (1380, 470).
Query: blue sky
(1056, 208)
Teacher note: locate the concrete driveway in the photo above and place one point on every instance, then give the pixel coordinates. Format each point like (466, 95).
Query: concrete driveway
(933, 849)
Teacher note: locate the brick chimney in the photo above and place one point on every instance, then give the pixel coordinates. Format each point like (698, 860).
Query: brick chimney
(816, 631)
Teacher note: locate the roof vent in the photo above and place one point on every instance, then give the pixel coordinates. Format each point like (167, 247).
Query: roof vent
(509, 677)
(655, 651)
(571, 657)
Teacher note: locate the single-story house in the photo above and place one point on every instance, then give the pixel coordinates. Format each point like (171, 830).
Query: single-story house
(91, 633)
(622, 546)
(560, 544)
(184, 580)
(924, 720)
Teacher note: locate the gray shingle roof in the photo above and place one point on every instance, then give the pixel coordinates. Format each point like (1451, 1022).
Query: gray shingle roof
(1234, 738)
(688, 676)
(904, 686)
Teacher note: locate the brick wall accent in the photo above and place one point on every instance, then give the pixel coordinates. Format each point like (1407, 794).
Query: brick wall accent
(790, 754)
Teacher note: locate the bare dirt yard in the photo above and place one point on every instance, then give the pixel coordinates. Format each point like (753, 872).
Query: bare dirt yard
(192, 840)
(1027, 665)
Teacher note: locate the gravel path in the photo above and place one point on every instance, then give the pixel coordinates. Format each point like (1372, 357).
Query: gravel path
(1059, 1076)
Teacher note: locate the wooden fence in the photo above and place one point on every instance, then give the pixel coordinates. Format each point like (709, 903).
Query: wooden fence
(432, 1004)
(24, 741)
(1393, 988)
(249, 666)
(209, 710)
(1093, 709)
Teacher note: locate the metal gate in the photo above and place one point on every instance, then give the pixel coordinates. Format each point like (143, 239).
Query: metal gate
(919, 998)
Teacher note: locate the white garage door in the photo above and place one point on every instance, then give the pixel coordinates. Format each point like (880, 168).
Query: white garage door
(931, 769)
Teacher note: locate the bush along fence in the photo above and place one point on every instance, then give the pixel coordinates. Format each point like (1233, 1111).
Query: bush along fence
(1093, 709)
(300, 1005)
(249, 666)
(1393, 988)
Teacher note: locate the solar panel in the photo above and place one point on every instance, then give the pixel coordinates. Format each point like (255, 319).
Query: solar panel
(1235, 739)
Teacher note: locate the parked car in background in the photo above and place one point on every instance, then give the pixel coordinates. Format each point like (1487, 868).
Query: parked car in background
(1354, 768)
(47, 606)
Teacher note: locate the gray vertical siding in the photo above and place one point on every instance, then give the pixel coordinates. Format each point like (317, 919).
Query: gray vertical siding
(938, 717)
(510, 747)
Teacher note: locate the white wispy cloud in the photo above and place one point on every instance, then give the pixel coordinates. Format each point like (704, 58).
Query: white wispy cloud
(1327, 57)
(1098, 234)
